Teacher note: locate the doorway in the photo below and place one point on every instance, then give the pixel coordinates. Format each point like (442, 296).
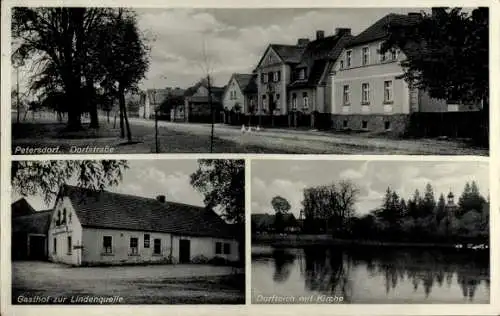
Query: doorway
(37, 248)
(184, 251)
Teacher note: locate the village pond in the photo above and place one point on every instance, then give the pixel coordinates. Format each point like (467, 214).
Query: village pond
(320, 274)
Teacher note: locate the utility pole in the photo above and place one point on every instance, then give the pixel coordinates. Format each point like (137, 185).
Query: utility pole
(211, 112)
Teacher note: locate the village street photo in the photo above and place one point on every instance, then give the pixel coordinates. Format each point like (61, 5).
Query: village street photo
(411, 81)
(128, 232)
(370, 232)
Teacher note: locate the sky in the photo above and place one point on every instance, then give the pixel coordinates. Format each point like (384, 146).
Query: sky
(233, 39)
(288, 178)
(149, 178)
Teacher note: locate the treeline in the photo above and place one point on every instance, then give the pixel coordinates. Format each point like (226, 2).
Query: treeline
(422, 218)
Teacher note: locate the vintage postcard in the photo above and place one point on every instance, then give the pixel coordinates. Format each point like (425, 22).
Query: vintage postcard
(277, 81)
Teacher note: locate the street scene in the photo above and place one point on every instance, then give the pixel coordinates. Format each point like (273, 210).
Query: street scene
(370, 232)
(319, 81)
(128, 232)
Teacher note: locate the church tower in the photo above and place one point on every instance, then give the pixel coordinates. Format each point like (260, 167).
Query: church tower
(450, 205)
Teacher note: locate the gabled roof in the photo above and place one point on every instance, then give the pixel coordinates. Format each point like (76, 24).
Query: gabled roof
(288, 53)
(246, 82)
(157, 96)
(36, 223)
(103, 209)
(317, 56)
(379, 30)
(21, 208)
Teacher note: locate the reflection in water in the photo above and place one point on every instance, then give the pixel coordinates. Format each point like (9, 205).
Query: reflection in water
(355, 273)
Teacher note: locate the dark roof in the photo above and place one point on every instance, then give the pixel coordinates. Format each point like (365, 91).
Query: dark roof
(289, 53)
(157, 96)
(21, 208)
(36, 223)
(246, 82)
(317, 56)
(110, 210)
(379, 30)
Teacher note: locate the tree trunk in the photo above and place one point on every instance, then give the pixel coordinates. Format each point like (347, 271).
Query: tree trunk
(124, 109)
(91, 104)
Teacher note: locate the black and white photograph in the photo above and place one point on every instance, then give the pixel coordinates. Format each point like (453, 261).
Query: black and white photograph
(128, 232)
(400, 81)
(370, 232)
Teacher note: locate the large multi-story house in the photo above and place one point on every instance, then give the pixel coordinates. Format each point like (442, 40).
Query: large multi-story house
(368, 92)
(240, 95)
(292, 79)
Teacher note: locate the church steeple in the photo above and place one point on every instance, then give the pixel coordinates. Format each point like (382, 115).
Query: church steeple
(451, 199)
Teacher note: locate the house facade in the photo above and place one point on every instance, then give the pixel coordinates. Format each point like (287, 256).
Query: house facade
(198, 105)
(240, 96)
(92, 228)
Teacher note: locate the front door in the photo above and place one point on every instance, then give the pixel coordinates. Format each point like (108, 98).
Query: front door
(184, 251)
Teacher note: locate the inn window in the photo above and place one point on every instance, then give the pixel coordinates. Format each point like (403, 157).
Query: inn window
(346, 96)
(218, 248)
(107, 242)
(146, 240)
(388, 94)
(264, 102)
(364, 124)
(134, 245)
(306, 100)
(227, 248)
(294, 101)
(365, 93)
(348, 58)
(157, 246)
(365, 56)
(344, 124)
(54, 244)
(69, 245)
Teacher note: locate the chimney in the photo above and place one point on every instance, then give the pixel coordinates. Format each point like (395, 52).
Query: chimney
(320, 34)
(342, 31)
(302, 42)
(161, 198)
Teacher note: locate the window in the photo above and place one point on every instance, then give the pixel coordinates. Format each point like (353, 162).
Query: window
(134, 245)
(364, 124)
(64, 216)
(344, 124)
(365, 93)
(382, 56)
(55, 245)
(365, 56)
(107, 244)
(69, 218)
(341, 64)
(58, 222)
(394, 54)
(277, 101)
(387, 125)
(276, 76)
(294, 101)
(302, 74)
(265, 78)
(388, 91)
(227, 248)
(70, 246)
(146, 240)
(306, 100)
(348, 58)
(262, 78)
(264, 102)
(157, 246)
(346, 95)
(218, 248)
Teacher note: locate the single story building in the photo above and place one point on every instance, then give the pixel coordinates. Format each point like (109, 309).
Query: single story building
(91, 227)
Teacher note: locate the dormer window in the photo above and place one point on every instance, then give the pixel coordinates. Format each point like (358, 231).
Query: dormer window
(382, 56)
(341, 64)
(365, 56)
(348, 58)
(302, 74)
